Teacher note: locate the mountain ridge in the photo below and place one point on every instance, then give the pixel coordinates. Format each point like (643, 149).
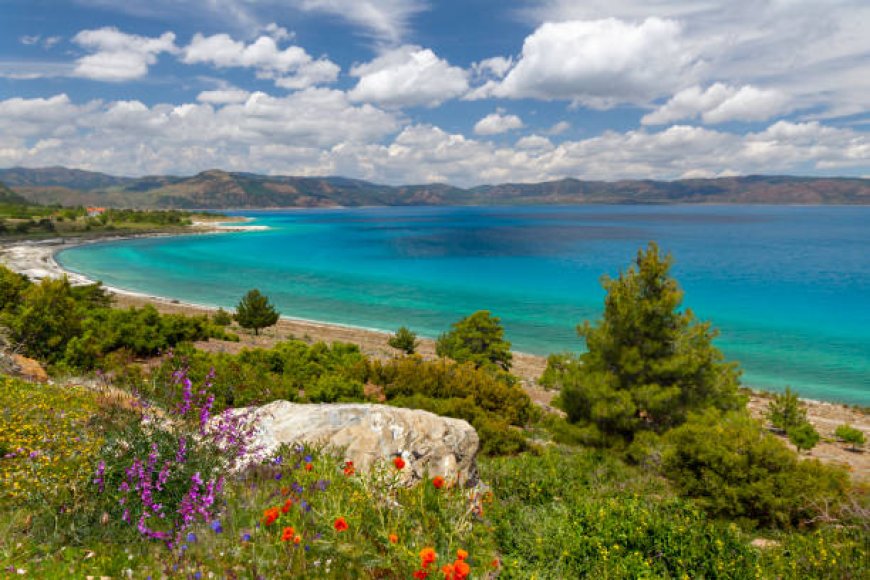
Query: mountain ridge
(219, 189)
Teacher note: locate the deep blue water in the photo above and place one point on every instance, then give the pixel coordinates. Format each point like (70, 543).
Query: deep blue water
(789, 287)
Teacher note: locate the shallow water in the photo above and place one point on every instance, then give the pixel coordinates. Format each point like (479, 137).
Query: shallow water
(788, 287)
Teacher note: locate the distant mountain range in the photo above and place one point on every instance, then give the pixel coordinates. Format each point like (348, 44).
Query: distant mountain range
(217, 189)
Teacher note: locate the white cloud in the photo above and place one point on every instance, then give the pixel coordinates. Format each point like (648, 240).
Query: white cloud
(131, 138)
(319, 131)
(720, 103)
(119, 56)
(496, 123)
(559, 128)
(223, 96)
(291, 67)
(534, 142)
(815, 52)
(386, 20)
(408, 76)
(600, 63)
(29, 40)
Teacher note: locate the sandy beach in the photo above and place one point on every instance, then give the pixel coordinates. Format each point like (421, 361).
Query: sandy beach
(36, 260)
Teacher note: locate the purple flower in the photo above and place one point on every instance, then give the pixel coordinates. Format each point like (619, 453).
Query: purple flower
(278, 476)
(99, 480)
(278, 460)
(307, 459)
(216, 527)
(246, 537)
(191, 537)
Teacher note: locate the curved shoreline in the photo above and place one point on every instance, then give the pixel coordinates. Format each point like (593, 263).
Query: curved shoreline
(37, 260)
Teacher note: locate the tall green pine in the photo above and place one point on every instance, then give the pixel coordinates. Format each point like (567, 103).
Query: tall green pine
(254, 311)
(648, 363)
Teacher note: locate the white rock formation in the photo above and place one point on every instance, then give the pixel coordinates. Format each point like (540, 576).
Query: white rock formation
(367, 433)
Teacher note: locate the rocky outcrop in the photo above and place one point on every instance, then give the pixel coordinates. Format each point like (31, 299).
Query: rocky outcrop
(429, 444)
(23, 367)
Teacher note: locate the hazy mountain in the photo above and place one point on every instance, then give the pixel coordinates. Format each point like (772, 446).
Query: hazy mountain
(217, 189)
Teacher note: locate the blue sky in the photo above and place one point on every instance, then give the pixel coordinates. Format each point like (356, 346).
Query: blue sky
(409, 91)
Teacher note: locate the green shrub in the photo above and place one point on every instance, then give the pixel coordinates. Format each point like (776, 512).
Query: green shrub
(443, 379)
(848, 434)
(786, 411)
(478, 339)
(404, 340)
(736, 469)
(222, 317)
(804, 436)
(334, 389)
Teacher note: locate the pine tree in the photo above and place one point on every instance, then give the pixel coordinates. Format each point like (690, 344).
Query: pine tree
(648, 363)
(479, 339)
(404, 340)
(254, 311)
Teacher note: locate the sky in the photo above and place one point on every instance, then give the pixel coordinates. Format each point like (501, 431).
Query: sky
(460, 91)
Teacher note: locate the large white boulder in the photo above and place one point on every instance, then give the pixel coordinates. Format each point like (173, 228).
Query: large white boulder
(367, 433)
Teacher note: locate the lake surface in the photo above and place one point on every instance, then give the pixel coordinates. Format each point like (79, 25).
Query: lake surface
(788, 287)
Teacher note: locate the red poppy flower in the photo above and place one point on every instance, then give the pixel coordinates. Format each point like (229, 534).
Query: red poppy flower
(270, 515)
(438, 482)
(393, 538)
(349, 468)
(399, 463)
(461, 554)
(287, 534)
(297, 539)
(427, 557)
(309, 467)
(340, 524)
(421, 574)
(286, 507)
(461, 570)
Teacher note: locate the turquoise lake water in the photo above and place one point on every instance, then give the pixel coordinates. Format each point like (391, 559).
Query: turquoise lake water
(788, 287)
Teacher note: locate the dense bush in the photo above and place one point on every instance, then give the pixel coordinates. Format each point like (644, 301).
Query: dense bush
(786, 411)
(736, 469)
(478, 339)
(444, 379)
(848, 434)
(404, 340)
(75, 326)
(141, 331)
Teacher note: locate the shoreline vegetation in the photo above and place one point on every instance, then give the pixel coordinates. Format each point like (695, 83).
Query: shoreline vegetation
(36, 259)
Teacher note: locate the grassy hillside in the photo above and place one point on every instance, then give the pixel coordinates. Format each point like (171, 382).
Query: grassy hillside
(217, 189)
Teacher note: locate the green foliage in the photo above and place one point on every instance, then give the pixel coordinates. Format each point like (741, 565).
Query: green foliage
(736, 469)
(580, 514)
(140, 331)
(803, 436)
(478, 339)
(404, 340)
(444, 379)
(255, 312)
(44, 320)
(850, 435)
(291, 370)
(785, 411)
(329, 388)
(222, 317)
(648, 364)
(12, 286)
